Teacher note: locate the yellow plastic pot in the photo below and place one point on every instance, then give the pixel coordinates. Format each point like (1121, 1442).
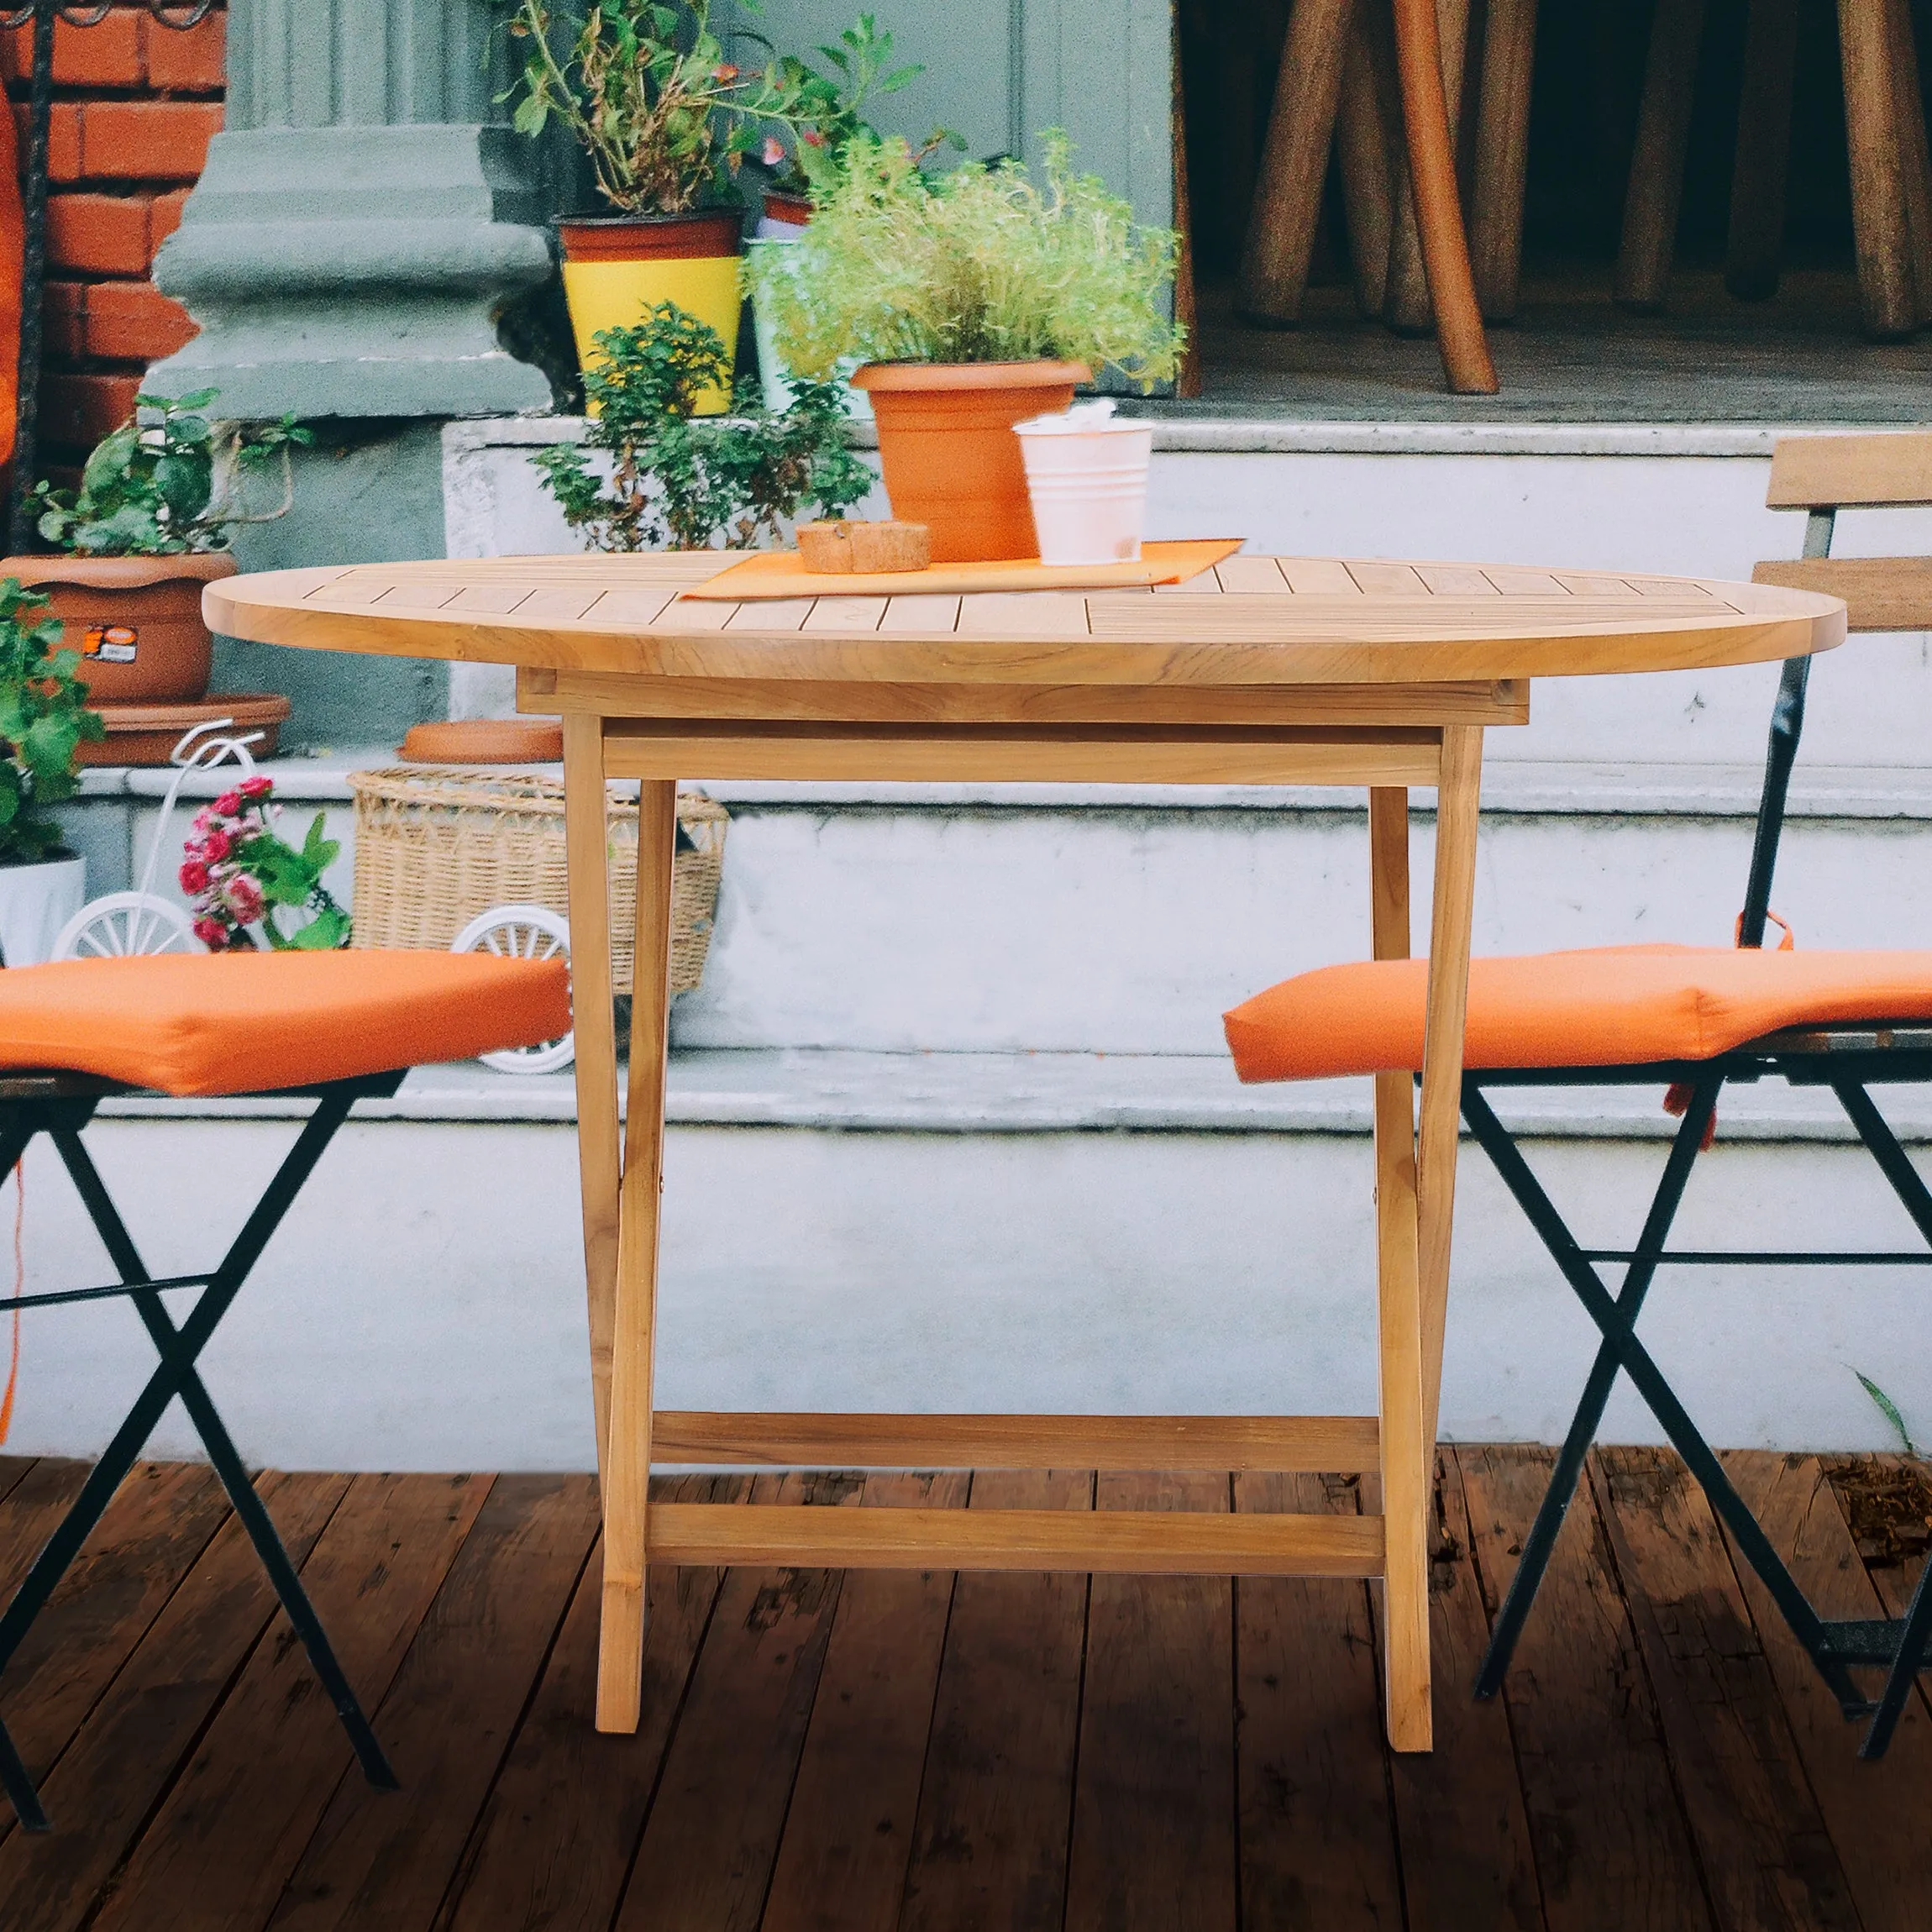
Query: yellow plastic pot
(616, 269)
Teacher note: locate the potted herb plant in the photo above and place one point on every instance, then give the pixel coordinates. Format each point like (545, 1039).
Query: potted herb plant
(646, 90)
(149, 526)
(671, 478)
(976, 299)
(43, 720)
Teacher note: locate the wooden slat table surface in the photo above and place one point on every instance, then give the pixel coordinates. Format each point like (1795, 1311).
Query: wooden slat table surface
(1265, 670)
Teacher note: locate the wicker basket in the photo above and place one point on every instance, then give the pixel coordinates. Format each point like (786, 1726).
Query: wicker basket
(436, 845)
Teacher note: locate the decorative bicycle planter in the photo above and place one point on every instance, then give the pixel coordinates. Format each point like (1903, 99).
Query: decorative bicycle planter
(449, 858)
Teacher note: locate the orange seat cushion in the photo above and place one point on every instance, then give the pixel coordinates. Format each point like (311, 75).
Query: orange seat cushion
(243, 1023)
(1607, 1006)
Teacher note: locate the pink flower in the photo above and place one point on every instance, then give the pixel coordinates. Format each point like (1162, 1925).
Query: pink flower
(204, 819)
(772, 154)
(245, 898)
(812, 138)
(194, 877)
(212, 933)
(257, 787)
(217, 846)
(228, 804)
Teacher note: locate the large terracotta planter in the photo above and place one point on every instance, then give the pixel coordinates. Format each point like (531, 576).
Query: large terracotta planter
(950, 459)
(135, 621)
(617, 267)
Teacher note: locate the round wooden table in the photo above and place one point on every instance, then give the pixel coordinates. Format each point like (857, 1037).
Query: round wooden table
(1264, 671)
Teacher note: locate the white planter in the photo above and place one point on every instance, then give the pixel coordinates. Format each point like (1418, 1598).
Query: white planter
(771, 368)
(1087, 474)
(35, 902)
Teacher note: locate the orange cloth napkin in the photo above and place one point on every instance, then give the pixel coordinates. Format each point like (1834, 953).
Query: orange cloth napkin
(779, 573)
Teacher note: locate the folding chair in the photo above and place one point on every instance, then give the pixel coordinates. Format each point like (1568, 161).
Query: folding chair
(1689, 1020)
(339, 1026)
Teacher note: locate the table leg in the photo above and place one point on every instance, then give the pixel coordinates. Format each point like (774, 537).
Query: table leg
(628, 1461)
(586, 839)
(1458, 798)
(1405, 1463)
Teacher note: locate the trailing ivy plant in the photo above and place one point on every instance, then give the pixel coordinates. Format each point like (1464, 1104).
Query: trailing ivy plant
(982, 264)
(165, 482)
(43, 720)
(684, 482)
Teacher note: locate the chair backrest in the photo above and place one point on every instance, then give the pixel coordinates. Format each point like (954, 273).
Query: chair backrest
(1822, 475)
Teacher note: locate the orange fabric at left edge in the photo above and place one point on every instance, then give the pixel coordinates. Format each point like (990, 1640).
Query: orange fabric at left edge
(13, 233)
(242, 1022)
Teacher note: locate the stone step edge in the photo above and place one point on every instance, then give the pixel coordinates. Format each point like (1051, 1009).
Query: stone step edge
(827, 1090)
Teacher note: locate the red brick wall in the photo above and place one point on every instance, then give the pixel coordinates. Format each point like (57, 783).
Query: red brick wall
(134, 106)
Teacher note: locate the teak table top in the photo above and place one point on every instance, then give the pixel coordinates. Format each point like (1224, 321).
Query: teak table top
(1251, 622)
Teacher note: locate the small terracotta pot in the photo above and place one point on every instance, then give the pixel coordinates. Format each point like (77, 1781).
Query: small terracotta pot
(135, 621)
(950, 459)
(794, 211)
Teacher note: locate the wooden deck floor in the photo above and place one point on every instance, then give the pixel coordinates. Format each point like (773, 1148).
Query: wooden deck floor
(879, 1750)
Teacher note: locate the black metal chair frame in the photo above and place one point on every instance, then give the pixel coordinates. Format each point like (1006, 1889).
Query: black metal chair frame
(60, 1106)
(1849, 1060)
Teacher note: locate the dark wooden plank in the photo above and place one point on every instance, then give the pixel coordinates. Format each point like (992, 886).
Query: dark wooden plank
(1869, 1818)
(712, 1834)
(1767, 1859)
(990, 1846)
(842, 1863)
(159, 1522)
(1466, 1857)
(221, 1846)
(1887, 1505)
(1153, 1840)
(115, 1772)
(12, 1470)
(1613, 1849)
(556, 1839)
(1317, 1842)
(34, 1507)
(387, 1858)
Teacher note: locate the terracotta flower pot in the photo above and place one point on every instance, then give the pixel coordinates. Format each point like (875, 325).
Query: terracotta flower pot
(135, 621)
(794, 211)
(616, 267)
(950, 459)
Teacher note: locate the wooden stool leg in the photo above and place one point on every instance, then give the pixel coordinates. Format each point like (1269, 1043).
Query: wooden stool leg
(1418, 53)
(1294, 158)
(1872, 131)
(1502, 154)
(1914, 162)
(1458, 799)
(1406, 306)
(587, 847)
(1405, 1462)
(1759, 172)
(627, 1468)
(1368, 146)
(1657, 166)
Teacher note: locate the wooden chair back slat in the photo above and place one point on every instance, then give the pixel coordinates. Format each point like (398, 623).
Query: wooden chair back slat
(1880, 593)
(1891, 467)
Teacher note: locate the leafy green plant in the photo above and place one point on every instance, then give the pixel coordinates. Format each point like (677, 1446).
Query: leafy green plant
(683, 480)
(982, 264)
(1889, 1409)
(165, 482)
(43, 720)
(646, 90)
(829, 113)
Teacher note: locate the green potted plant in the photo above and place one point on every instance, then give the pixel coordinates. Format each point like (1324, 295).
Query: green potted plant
(150, 523)
(666, 120)
(671, 478)
(43, 720)
(975, 299)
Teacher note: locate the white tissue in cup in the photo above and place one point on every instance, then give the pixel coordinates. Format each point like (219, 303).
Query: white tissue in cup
(1087, 474)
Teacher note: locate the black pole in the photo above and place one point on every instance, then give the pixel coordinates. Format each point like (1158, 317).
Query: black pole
(32, 280)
